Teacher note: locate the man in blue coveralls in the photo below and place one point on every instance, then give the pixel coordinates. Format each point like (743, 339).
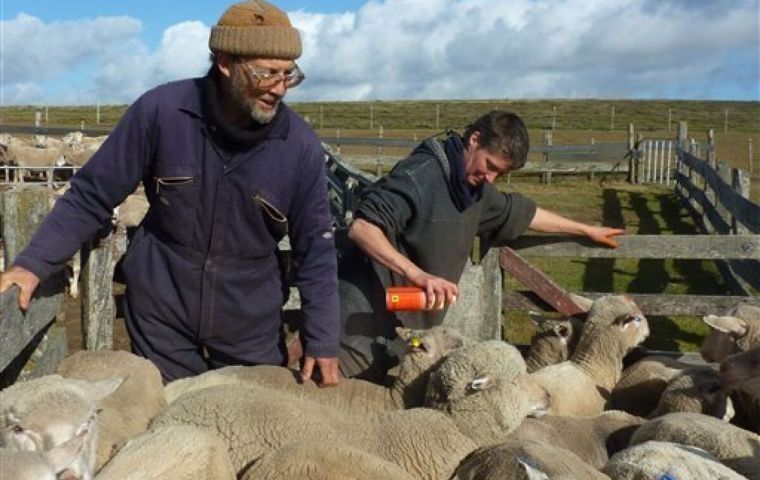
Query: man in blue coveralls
(228, 170)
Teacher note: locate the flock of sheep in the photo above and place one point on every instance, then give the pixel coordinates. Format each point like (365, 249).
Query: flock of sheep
(37, 151)
(457, 409)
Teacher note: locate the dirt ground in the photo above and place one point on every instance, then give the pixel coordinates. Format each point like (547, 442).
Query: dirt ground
(73, 324)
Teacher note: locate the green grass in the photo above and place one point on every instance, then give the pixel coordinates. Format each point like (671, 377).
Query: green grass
(640, 210)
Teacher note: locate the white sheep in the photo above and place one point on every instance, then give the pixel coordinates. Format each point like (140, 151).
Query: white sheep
(426, 443)
(740, 373)
(592, 439)
(508, 461)
(736, 448)
(46, 412)
(179, 452)
(45, 465)
(581, 386)
(737, 331)
(661, 460)
(127, 411)
(425, 349)
(254, 420)
(554, 341)
(695, 390)
(641, 384)
(323, 461)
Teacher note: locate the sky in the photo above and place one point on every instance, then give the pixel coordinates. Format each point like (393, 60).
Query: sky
(77, 52)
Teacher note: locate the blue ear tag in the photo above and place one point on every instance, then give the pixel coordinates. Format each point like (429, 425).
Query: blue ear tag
(667, 476)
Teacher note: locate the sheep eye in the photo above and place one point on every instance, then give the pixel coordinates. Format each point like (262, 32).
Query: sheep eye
(17, 429)
(563, 331)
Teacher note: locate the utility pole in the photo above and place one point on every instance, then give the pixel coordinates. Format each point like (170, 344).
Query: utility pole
(612, 119)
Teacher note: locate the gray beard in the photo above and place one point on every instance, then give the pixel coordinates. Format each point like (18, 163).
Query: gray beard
(245, 105)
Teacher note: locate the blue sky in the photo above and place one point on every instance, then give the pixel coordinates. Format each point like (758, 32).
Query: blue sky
(77, 52)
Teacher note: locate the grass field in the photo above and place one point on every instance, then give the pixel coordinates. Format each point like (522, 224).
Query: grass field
(639, 210)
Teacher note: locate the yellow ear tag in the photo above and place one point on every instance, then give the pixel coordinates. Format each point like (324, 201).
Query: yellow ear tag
(415, 342)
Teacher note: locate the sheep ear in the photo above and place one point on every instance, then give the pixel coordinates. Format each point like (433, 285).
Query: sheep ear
(66, 453)
(583, 302)
(99, 390)
(537, 318)
(731, 325)
(404, 333)
(531, 472)
(482, 383)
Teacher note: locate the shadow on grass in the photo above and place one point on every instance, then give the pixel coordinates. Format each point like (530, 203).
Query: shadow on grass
(598, 274)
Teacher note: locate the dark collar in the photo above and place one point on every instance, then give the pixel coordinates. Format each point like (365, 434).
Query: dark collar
(463, 195)
(232, 137)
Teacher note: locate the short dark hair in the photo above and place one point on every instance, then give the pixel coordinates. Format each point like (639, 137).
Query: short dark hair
(502, 132)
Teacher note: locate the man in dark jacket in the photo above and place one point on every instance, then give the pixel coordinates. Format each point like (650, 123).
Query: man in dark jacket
(417, 225)
(228, 170)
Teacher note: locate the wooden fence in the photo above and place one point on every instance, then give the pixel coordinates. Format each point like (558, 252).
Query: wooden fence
(716, 196)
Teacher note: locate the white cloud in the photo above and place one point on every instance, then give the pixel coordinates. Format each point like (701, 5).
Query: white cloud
(434, 49)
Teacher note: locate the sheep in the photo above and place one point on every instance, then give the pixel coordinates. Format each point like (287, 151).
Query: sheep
(740, 373)
(736, 448)
(581, 386)
(592, 439)
(426, 443)
(425, 349)
(554, 341)
(695, 390)
(127, 411)
(737, 331)
(254, 420)
(641, 384)
(46, 412)
(179, 452)
(523, 460)
(45, 465)
(662, 460)
(323, 461)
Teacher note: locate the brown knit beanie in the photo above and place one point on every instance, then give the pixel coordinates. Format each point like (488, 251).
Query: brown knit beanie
(256, 28)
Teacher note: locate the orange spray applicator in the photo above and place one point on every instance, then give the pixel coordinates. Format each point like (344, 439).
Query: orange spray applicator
(405, 299)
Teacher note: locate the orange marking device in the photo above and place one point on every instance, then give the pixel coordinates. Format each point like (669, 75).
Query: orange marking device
(404, 298)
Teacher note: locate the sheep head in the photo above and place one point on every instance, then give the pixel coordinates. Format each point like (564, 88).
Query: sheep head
(696, 390)
(424, 351)
(740, 368)
(484, 390)
(47, 465)
(737, 331)
(554, 341)
(615, 325)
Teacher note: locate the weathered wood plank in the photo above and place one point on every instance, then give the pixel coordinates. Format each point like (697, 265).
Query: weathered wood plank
(701, 206)
(19, 328)
(739, 275)
(23, 211)
(537, 281)
(643, 246)
(745, 212)
(650, 304)
(98, 307)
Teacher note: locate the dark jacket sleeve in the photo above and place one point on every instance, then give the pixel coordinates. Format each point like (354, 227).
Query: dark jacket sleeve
(391, 202)
(505, 215)
(314, 257)
(103, 183)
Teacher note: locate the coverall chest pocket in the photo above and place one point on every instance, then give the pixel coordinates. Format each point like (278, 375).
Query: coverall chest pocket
(176, 192)
(274, 219)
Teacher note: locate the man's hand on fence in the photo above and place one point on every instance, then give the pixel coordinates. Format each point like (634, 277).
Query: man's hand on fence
(604, 235)
(26, 281)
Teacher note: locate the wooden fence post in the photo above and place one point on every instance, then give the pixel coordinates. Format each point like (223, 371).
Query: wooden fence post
(639, 162)
(632, 160)
(723, 168)
(711, 156)
(740, 182)
(32, 343)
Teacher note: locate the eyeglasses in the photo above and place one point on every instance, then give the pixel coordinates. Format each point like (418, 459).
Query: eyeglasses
(266, 79)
